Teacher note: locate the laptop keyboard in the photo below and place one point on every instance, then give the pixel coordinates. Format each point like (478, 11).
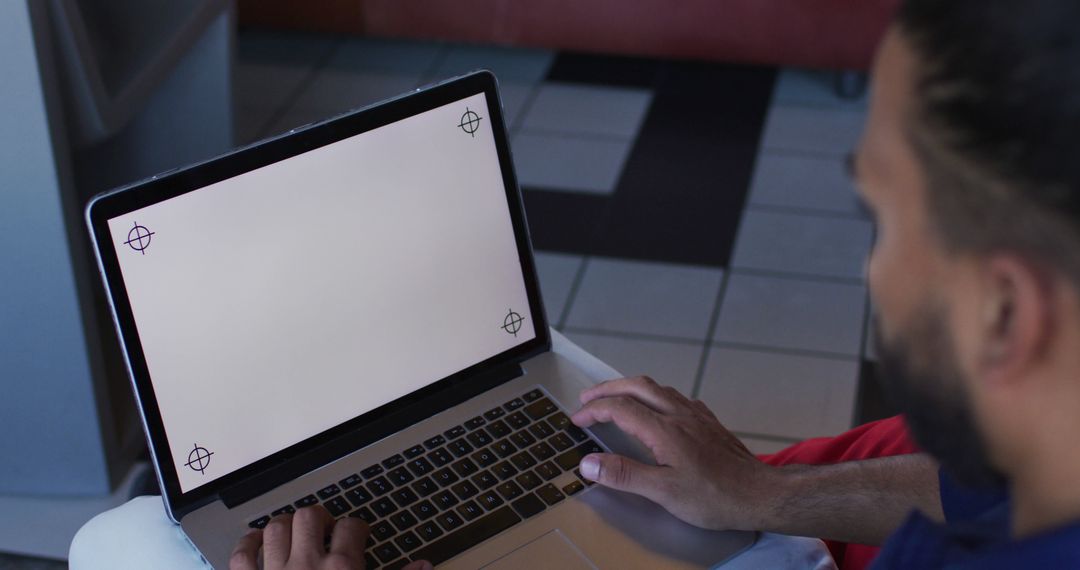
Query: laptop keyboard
(454, 490)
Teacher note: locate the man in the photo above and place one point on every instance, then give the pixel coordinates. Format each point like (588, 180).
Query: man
(970, 165)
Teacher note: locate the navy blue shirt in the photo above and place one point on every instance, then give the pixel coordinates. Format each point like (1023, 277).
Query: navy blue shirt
(976, 535)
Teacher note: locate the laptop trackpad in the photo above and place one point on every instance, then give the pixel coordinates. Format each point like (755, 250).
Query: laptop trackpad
(552, 550)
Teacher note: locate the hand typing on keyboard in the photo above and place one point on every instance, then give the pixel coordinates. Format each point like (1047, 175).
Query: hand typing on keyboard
(299, 542)
(703, 474)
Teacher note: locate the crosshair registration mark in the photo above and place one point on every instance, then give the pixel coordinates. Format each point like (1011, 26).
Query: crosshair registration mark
(512, 322)
(139, 238)
(199, 459)
(470, 122)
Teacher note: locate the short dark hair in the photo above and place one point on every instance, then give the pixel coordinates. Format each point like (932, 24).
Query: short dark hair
(996, 123)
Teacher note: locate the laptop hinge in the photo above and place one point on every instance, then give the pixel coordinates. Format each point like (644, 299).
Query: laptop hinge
(357, 439)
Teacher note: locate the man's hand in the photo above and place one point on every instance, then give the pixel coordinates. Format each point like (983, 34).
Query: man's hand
(703, 474)
(297, 542)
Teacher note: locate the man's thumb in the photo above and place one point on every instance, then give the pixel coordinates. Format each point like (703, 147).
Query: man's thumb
(621, 473)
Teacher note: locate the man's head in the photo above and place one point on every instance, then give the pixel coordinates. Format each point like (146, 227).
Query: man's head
(971, 164)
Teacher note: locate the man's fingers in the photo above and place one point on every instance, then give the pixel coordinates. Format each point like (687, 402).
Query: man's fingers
(246, 554)
(348, 538)
(630, 415)
(309, 529)
(625, 474)
(277, 538)
(642, 388)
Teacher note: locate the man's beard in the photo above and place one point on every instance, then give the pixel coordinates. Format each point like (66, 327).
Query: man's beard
(920, 375)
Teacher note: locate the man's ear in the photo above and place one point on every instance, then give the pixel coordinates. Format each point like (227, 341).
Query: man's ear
(1018, 319)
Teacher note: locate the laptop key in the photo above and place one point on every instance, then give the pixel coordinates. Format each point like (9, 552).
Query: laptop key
(387, 551)
(498, 429)
(587, 482)
(440, 457)
(540, 408)
(503, 448)
(509, 490)
(306, 502)
(490, 499)
(573, 487)
(514, 404)
(260, 522)
(484, 457)
(383, 506)
(550, 494)
(522, 439)
(541, 429)
(382, 530)
(469, 510)
(397, 564)
(424, 510)
(561, 442)
(464, 490)
(449, 520)
(404, 496)
(504, 470)
(370, 563)
(372, 471)
(559, 420)
(286, 510)
(548, 470)
(350, 481)
(528, 505)
(444, 500)
(476, 532)
(379, 486)
(364, 514)
(569, 459)
(479, 438)
(474, 423)
(517, 420)
(327, 492)
(414, 451)
(485, 480)
(454, 432)
(523, 461)
(494, 414)
(403, 520)
(460, 447)
(465, 467)
(429, 531)
(420, 466)
(337, 506)
(425, 487)
(407, 542)
(436, 441)
(542, 451)
(528, 480)
(576, 433)
(393, 461)
(399, 476)
(445, 477)
(533, 395)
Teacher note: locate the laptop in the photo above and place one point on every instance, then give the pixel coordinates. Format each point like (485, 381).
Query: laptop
(349, 315)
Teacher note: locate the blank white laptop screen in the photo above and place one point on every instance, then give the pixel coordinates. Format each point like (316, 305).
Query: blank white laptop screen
(280, 303)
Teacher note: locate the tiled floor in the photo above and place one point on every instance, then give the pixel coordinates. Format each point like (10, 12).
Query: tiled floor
(694, 221)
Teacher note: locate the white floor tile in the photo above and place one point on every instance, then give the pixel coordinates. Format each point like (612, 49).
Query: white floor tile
(562, 163)
(646, 297)
(508, 64)
(812, 129)
(794, 181)
(812, 245)
(812, 87)
(759, 446)
(779, 394)
(557, 272)
(792, 313)
(669, 363)
(566, 108)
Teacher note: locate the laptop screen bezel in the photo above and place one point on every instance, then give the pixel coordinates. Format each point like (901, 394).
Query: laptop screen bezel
(298, 141)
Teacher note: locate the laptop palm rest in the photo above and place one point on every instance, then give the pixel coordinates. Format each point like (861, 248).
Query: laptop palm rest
(554, 548)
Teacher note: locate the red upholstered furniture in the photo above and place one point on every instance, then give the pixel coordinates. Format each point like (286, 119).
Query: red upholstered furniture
(836, 34)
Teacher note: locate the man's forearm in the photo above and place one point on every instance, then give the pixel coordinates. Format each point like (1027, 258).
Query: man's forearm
(859, 501)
